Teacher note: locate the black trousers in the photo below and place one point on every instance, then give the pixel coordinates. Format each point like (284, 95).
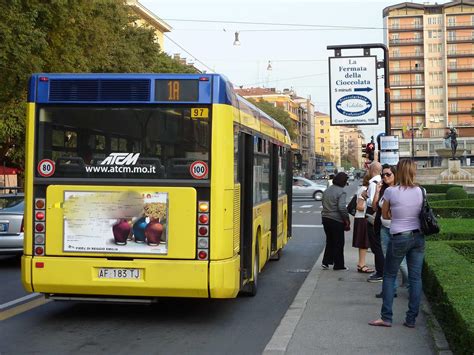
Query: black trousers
(334, 252)
(376, 247)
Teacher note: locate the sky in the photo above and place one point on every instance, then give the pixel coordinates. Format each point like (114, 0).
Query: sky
(291, 35)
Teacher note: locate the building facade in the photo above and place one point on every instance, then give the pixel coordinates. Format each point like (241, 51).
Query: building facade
(431, 51)
(147, 17)
(351, 140)
(326, 141)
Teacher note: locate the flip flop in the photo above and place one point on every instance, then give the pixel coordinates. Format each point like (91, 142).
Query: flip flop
(364, 269)
(380, 323)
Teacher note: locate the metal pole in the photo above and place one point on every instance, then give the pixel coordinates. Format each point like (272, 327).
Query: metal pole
(368, 46)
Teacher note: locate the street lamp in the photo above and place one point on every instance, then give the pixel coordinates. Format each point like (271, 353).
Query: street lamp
(411, 113)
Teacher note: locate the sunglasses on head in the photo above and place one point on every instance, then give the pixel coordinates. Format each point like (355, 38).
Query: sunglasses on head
(387, 174)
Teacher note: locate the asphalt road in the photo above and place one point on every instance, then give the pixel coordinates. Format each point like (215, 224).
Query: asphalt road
(172, 326)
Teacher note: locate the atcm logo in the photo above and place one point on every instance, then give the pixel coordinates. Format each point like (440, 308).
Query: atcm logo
(121, 159)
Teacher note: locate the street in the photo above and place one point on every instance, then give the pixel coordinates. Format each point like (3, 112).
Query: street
(238, 326)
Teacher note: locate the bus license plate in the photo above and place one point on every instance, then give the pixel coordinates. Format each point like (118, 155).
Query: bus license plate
(113, 273)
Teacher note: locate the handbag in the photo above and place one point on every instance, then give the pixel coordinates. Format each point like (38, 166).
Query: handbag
(428, 223)
(351, 207)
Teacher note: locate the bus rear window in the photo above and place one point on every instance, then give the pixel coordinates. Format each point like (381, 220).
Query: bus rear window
(123, 141)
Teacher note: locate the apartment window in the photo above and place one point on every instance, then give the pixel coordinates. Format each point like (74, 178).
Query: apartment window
(453, 106)
(395, 23)
(452, 63)
(396, 52)
(419, 92)
(417, 22)
(396, 93)
(418, 51)
(396, 78)
(453, 76)
(321, 131)
(395, 37)
(451, 48)
(322, 140)
(418, 78)
(451, 35)
(321, 123)
(451, 21)
(417, 35)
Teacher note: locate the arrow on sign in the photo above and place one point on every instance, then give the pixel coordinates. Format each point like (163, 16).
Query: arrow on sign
(363, 89)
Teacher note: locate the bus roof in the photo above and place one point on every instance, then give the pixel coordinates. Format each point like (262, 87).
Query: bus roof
(146, 88)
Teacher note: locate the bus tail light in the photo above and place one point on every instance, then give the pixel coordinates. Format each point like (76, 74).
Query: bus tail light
(39, 226)
(203, 230)
(22, 228)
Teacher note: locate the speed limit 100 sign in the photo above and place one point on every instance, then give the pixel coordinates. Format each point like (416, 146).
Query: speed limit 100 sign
(46, 167)
(198, 170)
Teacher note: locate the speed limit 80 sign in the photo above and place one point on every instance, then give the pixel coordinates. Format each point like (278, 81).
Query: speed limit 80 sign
(46, 167)
(199, 169)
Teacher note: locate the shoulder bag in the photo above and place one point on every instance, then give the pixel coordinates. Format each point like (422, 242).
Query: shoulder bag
(351, 207)
(429, 224)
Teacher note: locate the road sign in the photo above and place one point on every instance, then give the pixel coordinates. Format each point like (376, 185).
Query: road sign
(353, 90)
(198, 169)
(389, 157)
(46, 168)
(389, 143)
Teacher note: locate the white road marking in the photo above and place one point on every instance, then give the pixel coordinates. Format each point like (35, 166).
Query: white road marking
(306, 206)
(18, 300)
(307, 226)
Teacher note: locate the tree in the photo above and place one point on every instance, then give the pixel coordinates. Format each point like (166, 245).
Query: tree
(279, 114)
(67, 36)
(346, 162)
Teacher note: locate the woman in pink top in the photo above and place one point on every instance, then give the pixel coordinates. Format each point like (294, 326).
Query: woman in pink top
(402, 204)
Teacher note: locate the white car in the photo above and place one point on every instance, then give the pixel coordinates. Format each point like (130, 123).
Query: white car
(305, 188)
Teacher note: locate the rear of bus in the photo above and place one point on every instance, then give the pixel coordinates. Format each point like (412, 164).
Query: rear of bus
(118, 187)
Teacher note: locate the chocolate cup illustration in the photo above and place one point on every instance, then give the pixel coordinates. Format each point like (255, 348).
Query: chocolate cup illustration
(121, 230)
(139, 230)
(153, 232)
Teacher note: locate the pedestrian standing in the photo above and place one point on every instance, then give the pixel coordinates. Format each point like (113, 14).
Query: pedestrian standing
(382, 225)
(360, 238)
(335, 221)
(403, 204)
(375, 169)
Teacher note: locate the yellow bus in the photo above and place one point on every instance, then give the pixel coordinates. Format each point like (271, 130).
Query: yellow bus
(150, 185)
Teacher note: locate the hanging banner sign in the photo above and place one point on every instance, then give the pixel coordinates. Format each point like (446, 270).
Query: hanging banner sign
(353, 90)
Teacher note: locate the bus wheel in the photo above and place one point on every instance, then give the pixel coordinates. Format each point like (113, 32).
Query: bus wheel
(251, 288)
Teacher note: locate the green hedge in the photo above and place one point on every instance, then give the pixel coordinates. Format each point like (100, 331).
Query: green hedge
(439, 188)
(466, 250)
(448, 282)
(442, 197)
(456, 193)
(454, 229)
(453, 203)
(454, 212)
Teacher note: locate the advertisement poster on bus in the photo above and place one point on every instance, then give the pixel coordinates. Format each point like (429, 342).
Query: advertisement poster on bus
(116, 222)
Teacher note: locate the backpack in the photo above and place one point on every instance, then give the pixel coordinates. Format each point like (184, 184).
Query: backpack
(351, 207)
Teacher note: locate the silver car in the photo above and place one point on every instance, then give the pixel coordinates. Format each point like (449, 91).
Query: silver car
(11, 223)
(305, 188)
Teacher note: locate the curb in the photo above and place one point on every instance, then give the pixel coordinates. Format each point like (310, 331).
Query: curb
(280, 340)
(440, 343)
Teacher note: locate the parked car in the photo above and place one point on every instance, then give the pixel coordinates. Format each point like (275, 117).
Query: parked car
(11, 223)
(305, 188)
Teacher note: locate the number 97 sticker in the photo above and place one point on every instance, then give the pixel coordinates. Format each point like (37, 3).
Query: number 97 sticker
(46, 168)
(199, 169)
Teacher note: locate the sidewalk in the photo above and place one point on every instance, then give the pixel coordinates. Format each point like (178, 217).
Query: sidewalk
(329, 315)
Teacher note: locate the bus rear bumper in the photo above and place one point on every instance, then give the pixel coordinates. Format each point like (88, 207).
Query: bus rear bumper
(80, 276)
(224, 278)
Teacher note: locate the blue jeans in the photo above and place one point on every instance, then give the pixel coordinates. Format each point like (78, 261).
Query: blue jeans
(385, 237)
(412, 246)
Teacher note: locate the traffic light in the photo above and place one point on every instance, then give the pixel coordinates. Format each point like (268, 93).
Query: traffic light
(364, 151)
(370, 149)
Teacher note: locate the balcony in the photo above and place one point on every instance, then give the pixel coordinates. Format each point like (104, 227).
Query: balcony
(461, 82)
(461, 96)
(407, 83)
(463, 110)
(405, 41)
(460, 53)
(464, 67)
(402, 98)
(406, 55)
(460, 39)
(406, 27)
(402, 70)
(460, 25)
(461, 121)
(410, 112)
